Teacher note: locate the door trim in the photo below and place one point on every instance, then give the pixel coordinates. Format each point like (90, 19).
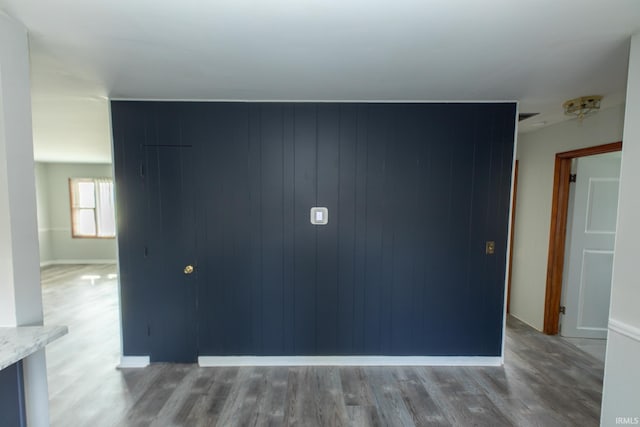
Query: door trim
(558, 230)
(513, 229)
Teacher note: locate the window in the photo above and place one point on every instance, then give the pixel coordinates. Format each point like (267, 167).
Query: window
(92, 213)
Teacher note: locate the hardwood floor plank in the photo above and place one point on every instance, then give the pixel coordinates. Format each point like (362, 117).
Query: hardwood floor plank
(244, 397)
(270, 411)
(173, 412)
(293, 402)
(493, 383)
(330, 402)
(363, 416)
(151, 403)
(301, 408)
(545, 380)
(423, 409)
(208, 406)
(388, 398)
(355, 387)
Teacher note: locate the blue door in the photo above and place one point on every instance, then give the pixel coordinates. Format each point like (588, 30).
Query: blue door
(170, 243)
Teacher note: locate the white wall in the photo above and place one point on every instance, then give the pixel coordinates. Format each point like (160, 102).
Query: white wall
(42, 199)
(622, 367)
(55, 214)
(20, 293)
(536, 152)
(18, 217)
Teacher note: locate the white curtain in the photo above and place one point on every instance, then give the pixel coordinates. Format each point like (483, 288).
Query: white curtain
(105, 213)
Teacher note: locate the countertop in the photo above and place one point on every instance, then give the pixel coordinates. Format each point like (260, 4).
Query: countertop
(18, 342)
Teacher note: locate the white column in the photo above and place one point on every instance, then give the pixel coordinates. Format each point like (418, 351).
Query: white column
(20, 293)
(621, 398)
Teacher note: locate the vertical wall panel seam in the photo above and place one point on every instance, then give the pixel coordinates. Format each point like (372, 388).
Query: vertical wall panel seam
(282, 113)
(391, 288)
(355, 232)
(487, 222)
(315, 279)
(471, 197)
(161, 248)
(249, 176)
(414, 253)
(260, 189)
(427, 262)
(385, 203)
(337, 224)
(293, 265)
(366, 213)
(450, 204)
(145, 180)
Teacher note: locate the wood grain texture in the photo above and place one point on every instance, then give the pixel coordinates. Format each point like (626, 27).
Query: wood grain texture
(544, 382)
(555, 263)
(591, 151)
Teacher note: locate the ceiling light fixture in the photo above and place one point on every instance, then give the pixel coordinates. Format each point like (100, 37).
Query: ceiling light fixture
(582, 106)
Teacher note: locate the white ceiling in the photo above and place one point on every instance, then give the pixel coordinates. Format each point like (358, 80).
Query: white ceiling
(537, 52)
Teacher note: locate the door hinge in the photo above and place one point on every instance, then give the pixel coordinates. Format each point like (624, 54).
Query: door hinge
(146, 251)
(572, 177)
(563, 309)
(148, 330)
(141, 170)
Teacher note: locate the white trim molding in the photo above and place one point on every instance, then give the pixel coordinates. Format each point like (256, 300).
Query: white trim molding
(127, 362)
(78, 261)
(324, 101)
(625, 329)
(219, 361)
(65, 229)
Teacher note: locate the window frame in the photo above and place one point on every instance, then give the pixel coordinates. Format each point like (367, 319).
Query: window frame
(72, 209)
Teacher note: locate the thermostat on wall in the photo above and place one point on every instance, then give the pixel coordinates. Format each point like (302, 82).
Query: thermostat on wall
(319, 216)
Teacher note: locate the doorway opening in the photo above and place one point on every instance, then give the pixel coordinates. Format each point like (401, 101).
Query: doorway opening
(558, 234)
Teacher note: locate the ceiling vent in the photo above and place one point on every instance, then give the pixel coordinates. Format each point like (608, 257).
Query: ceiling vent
(525, 116)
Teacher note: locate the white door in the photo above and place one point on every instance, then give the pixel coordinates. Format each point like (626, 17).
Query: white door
(589, 252)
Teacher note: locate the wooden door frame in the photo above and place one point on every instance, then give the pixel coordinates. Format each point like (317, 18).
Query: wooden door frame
(558, 232)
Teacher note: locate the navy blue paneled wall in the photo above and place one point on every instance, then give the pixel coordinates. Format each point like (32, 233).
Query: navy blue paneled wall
(414, 191)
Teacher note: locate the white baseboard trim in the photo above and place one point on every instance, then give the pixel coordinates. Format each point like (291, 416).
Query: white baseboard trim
(133, 362)
(625, 329)
(219, 361)
(78, 261)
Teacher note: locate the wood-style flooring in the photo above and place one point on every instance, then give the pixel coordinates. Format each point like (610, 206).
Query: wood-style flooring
(544, 382)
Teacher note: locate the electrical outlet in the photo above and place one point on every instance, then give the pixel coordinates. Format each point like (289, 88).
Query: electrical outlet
(490, 248)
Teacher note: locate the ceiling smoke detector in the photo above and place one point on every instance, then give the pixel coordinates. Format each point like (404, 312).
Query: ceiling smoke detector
(583, 106)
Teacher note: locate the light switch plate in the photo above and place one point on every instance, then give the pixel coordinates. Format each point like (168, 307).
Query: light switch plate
(319, 216)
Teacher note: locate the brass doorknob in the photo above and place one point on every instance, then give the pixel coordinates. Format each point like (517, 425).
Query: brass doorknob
(188, 269)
